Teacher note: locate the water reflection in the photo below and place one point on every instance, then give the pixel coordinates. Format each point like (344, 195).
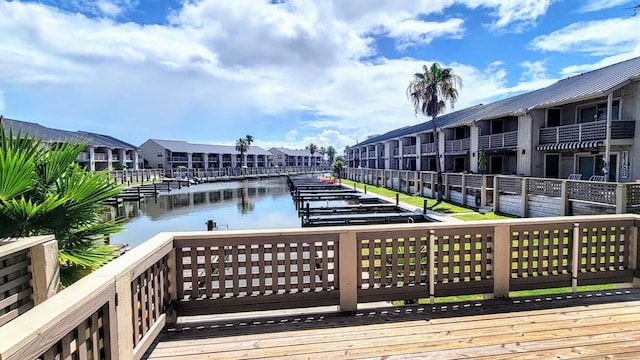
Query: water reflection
(239, 205)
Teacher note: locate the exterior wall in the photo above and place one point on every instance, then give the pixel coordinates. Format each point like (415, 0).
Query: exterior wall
(473, 153)
(524, 152)
(536, 160)
(634, 112)
(150, 150)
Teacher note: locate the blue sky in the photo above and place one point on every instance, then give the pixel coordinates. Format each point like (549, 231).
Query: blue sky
(288, 72)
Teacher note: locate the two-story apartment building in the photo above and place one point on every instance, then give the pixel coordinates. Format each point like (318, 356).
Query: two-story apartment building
(570, 127)
(103, 152)
(173, 154)
(295, 157)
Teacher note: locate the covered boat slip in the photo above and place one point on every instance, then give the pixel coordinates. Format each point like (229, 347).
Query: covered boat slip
(581, 326)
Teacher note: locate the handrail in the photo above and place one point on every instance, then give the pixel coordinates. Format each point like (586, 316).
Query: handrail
(125, 304)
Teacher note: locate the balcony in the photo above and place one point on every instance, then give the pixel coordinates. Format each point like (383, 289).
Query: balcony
(100, 157)
(453, 146)
(178, 159)
(83, 157)
(396, 152)
(409, 150)
(429, 148)
(508, 140)
(596, 130)
(372, 154)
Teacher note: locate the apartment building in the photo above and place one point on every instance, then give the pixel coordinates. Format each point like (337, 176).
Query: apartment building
(295, 157)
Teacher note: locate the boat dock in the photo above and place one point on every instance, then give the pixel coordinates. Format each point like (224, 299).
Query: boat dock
(313, 199)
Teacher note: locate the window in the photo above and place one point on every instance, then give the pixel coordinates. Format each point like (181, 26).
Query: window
(553, 117)
(598, 112)
(159, 154)
(160, 166)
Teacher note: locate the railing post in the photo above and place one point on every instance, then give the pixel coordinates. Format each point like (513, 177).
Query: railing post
(172, 314)
(575, 257)
(501, 260)
(621, 198)
(564, 198)
(446, 187)
(124, 317)
(464, 190)
(525, 197)
(483, 192)
(348, 266)
(496, 194)
(432, 267)
(45, 270)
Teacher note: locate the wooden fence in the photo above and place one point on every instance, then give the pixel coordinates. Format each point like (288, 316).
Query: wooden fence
(28, 274)
(512, 195)
(117, 311)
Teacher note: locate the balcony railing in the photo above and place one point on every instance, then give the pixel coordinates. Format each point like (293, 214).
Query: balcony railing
(499, 141)
(179, 159)
(457, 145)
(83, 157)
(429, 148)
(118, 311)
(596, 130)
(409, 150)
(396, 152)
(100, 157)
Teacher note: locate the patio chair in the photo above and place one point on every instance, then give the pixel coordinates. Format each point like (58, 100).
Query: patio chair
(574, 176)
(601, 178)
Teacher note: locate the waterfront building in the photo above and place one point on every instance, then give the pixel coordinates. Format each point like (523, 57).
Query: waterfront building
(295, 157)
(103, 152)
(175, 154)
(566, 129)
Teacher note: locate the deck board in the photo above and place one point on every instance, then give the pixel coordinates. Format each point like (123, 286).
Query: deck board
(562, 328)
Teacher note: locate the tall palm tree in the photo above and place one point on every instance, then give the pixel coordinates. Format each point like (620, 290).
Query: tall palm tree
(242, 146)
(43, 192)
(429, 92)
(323, 152)
(331, 153)
(313, 148)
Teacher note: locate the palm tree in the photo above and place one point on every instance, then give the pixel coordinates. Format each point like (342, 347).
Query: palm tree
(43, 192)
(323, 152)
(242, 146)
(429, 92)
(312, 149)
(331, 153)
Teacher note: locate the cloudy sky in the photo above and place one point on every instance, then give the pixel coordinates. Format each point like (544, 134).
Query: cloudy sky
(288, 72)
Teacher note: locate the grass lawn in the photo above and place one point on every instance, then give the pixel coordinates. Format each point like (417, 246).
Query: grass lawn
(443, 207)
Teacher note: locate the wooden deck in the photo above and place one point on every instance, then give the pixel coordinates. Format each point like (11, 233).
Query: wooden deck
(586, 326)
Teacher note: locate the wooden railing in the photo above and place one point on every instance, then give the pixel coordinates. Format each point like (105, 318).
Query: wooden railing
(520, 196)
(28, 274)
(596, 130)
(498, 141)
(457, 145)
(118, 311)
(137, 176)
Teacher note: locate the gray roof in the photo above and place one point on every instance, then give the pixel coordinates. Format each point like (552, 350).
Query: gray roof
(55, 135)
(295, 152)
(185, 147)
(593, 84)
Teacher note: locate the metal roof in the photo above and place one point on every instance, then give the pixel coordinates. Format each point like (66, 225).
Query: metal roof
(295, 152)
(55, 135)
(592, 84)
(183, 146)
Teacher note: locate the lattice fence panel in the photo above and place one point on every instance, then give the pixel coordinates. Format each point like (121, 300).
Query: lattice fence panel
(541, 250)
(392, 260)
(602, 247)
(544, 187)
(89, 340)
(15, 286)
(510, 185)
(633, 194)
(253, 267)
(463, 255)
(592, 191)
(150, 298)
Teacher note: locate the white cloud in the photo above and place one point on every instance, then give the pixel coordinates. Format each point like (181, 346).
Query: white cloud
(603, 37)
(225, 64)
(515, 14)
(2, 105)
(597, 5)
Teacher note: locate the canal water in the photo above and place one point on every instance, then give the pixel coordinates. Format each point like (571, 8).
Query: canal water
(235, 205)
